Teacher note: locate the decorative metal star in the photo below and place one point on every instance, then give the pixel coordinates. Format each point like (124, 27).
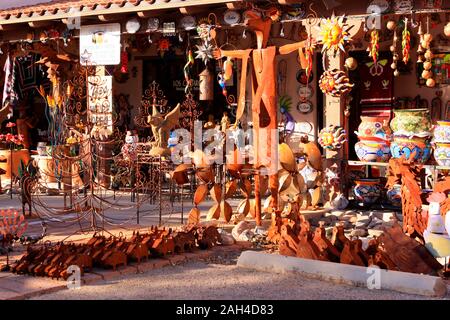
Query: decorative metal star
(204, 52)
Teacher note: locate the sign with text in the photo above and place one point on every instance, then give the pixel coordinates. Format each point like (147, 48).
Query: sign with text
(100, 44)
(100, 100)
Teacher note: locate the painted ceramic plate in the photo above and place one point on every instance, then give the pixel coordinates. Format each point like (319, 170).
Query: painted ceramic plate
(305, 127)
(188, 23)
(305, 92)
(304, 107)
(153, 24)
(301, 77)
(403, 5)
(378, 6)
(231, 17)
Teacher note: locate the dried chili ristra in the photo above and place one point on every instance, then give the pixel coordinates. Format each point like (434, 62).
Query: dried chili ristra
(406, 43)
(374, 45)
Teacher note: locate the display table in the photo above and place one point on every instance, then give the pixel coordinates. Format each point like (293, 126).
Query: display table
(17, 156)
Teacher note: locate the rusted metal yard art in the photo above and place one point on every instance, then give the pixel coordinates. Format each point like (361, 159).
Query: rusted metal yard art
(112, 252)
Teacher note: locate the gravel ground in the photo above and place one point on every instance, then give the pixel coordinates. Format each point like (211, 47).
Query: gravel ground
(217, 279)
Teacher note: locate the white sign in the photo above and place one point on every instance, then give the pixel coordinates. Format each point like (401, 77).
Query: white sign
(100, 44)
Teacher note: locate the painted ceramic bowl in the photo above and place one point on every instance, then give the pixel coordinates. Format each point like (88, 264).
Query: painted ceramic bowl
(374, 127)
(372, 151)
(442, 153)
(394, 195)
(441, 131)
(405, 147)
(367, 191)
(411, 122)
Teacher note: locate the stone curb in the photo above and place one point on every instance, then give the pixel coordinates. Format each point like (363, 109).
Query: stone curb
(404, 282)
(97, 275)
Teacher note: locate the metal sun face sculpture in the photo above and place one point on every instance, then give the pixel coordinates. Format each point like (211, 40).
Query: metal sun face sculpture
(333, 33)
(332, 137)
(335, 83)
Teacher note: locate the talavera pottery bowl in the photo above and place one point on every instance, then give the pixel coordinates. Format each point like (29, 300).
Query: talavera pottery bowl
(411, 121)
(442, 153)
(441, 132)
(405, 146)
(367, 191)
(372, 151)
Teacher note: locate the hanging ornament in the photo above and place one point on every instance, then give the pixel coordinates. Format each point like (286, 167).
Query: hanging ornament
(351, 63)
(228, 69)
(282, 31)
(335, 83)
(206, 85)
(391, 25)
(186, 70)
(333, 33)
(309, 54)
(163, 46)
(406, 42)
(124, 62)
(427, 64)
(395, 56)
(374, 45)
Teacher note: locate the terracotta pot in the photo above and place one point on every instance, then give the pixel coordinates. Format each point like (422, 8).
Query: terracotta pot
(441, 132)
(405, 146)
(372, 151)
(367, 191)
(442, 153)
(411, 122)
(17, 156)
(374, 127)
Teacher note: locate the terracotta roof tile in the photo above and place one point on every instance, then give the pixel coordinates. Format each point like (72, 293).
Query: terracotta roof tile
(62, 7)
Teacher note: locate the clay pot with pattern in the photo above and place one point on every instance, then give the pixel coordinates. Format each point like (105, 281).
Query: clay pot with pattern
(372, 149)
(442, 153)
(411, 122)
(374, 127)
(441, 132)
(367, 191)
(403, 146)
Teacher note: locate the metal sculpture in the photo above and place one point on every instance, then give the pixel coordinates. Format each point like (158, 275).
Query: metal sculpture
(99, 251)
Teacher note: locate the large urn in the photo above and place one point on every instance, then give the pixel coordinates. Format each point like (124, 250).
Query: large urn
(374, 135)
(411, 122)
(412, 134)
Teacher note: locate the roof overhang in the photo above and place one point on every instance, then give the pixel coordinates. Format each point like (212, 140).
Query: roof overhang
(142, 8)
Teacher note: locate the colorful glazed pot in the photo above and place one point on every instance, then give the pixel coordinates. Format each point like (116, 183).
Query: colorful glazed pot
(405, 146)
(372, 150)
(394, 195)
(374, 127)
(441, 131)
(442, 153)
(367, 191)
(411, 122)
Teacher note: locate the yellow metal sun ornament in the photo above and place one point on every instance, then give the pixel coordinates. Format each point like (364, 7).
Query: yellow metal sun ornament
(333, 33)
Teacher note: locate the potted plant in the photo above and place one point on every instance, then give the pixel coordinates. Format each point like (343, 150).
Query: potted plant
(12, 150)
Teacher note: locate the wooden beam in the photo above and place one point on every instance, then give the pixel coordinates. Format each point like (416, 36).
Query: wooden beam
(191, 10)
(10, 27)
(236, 5)
(109, 17)
(149, 13)
(288, 2)
(39, 24)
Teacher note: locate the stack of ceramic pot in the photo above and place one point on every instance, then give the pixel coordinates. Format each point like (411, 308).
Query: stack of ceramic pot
(412, 134)
(374, 140)
(441, 143)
